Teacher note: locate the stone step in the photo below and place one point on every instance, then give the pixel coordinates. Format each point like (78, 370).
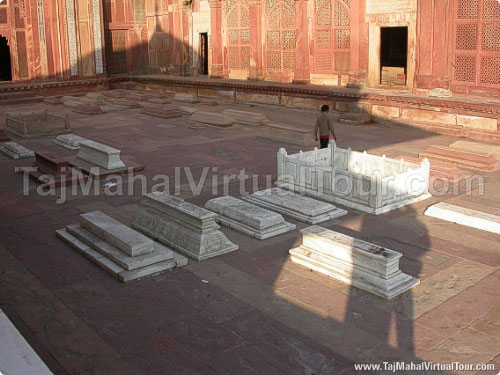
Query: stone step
(441, 170)
(359, 263)
(248, 218)
(159, 253)
(16, 151)
(465, 159)
(302, 208)
(478, 148)
(119, 235)
(107, 264)
(161, 113)
(464, 216)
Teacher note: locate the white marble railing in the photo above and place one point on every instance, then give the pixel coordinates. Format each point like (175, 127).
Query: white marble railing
(370, 183)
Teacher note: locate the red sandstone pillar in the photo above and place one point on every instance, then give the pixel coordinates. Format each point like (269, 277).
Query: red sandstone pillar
(256, 71)
(216, 66)
(302, 71)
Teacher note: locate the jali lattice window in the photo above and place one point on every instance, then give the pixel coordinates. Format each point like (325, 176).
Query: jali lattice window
(477, 42)
(238, 35)
(281, 37)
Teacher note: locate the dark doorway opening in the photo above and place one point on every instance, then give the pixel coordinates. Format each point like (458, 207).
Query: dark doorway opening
(204, 53)
(393, 55)
(5, 68)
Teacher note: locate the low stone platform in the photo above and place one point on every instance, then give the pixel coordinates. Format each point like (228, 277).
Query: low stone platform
(442, 171)
(35, 124)
(3, 136)
(247, 118)
(248, 218)
(52, 171)
(300, 207)
(187, 110)
(69, 141)
(16, 151)
(359, 263)
(464, 216)
(100, 155)
(159, 100)
(182, 225)
(114, 93)
(185, 98)
(213, 119)
(480, 162)
(291, 135)
(53, 100)
(124, 103)
(120, 250)
(95, 172)
(354, 118)
(161, 113)
(477, 148)
(88, 109)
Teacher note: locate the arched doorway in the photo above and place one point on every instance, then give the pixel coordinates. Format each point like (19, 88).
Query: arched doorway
(5, 65)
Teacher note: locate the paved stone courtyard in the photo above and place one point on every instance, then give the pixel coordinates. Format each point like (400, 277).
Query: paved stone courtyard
(251, 311)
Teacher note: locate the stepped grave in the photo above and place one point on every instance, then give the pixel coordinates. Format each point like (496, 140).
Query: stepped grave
(16, 151)
(34, 124)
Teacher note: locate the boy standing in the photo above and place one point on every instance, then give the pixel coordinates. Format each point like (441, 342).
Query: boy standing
(324, 124)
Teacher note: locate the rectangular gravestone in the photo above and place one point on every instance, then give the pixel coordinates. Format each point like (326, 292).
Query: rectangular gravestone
(300, 207)
(122, 251)
(289, 135)
(161, 113)
(182, 225)
(88, 109)
(248, 218)
(464, 216)
(52, 171)
(16, 151)
(247, 118)
(185, 98)
(213, 119)
(358, 263)
(100, 155)
(69, 141)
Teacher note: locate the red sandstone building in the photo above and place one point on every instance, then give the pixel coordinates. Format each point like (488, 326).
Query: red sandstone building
(409, 44)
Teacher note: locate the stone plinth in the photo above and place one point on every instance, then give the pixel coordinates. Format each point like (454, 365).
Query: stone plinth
(289, 135)
(122, 251)
(464, 216)
(35, 124)
(294, 205)
(161, 113)
(88, 109)
(114, 93)
(248, 218)
(182, 225)
(51, 170)
(213, 119)
(472, 160)
(442, 171)
(72, 103)
(100, 155)
(185, 98)
(477, 148)
(15, 151)
(158, 100)
(247, 118)
(358, 263)
(187, 110)
(53, 100)
(124, 103)
(69, 141)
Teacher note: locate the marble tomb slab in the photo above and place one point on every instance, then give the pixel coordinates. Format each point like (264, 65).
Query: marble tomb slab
(248, 218)
(69, 141)
(247, 118)
(185, 227)
(16, 151)
(356, 262)
(300, 207)
(291, 135)
(464, 216)
(100, 155)
(211, 118)
(108, 243)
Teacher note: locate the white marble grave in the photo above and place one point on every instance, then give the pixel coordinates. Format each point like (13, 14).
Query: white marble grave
(122, 251)
(16, 151)
(294, 205)
(100, 155)
(356, 262)
(69, 141)
(248, 218)
(247, 118)
(182, 225)
(464, 216)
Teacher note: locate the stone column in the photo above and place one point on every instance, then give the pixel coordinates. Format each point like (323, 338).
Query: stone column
(302, 71)
(256, 71)
(216, 66)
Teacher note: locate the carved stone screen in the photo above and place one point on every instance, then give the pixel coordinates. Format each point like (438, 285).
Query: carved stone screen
(116, 52)
(477, 42)
(238, 34)
(332, 36)
(280, 35)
